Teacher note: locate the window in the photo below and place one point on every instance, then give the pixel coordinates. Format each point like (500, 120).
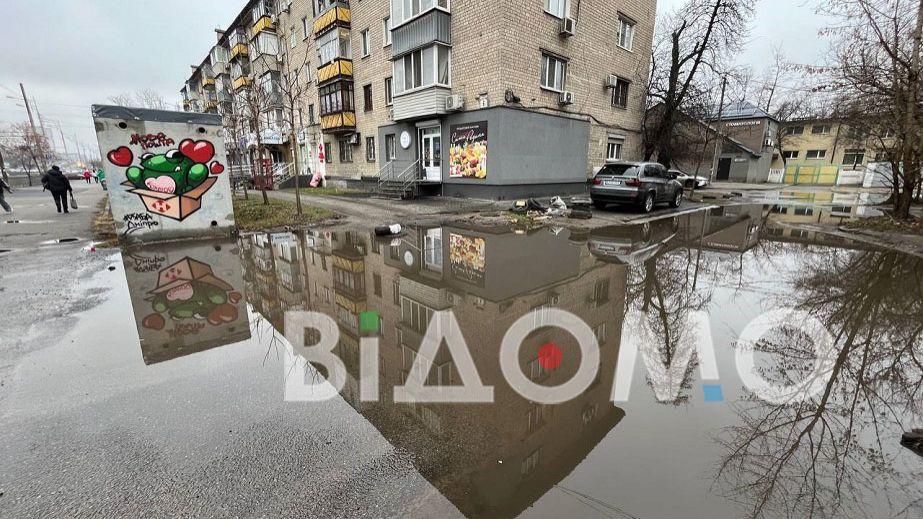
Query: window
(816, 154)
(386, 26)
(601, 292)
(311, 114)
(804, 211)
(376, 283)
(614, 148)
(331, 46)
(554, 71)
(626, 32)
(336, 97)
(556, 8)
(404, 10)
(794, 130)
(305, 30)
(346, 151)
(366, 43)
(370, 151)
(389, 147)
(328, 158)
(820, 129)
(620, 93)
(389, 93)
(367, 97)
(292, 37)
(422, 68)
(789, 154)
(528, 465)
(853, 157)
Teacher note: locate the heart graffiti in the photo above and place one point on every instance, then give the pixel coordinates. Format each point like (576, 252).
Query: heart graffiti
(199, 151)
(217, 168)
(121, 156)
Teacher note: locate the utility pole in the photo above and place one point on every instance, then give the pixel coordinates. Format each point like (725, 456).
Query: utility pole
(3, 174)
(41, 122)
(63, 140)
(719, 140)
(31, 121)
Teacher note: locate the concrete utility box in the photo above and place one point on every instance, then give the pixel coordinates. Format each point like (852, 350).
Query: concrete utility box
(187, 297)
(166, 173)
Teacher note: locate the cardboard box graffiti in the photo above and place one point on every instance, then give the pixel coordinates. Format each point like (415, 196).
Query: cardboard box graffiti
(166, 172)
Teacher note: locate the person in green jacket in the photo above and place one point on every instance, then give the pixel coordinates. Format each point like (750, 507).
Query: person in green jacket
(101, 177)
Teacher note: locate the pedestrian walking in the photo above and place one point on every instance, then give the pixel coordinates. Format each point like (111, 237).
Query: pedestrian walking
(101, 177)
(57, 183)
(95, 176)
(3, 203)
(87, 176)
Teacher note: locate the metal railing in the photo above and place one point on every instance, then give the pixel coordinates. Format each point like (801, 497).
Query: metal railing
(403, 181)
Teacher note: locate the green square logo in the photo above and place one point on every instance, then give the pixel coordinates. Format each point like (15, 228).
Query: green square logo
(369, 322)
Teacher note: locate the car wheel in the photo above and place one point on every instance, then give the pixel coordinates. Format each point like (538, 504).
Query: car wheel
(648, 204)
(677, 199)
(600, 205)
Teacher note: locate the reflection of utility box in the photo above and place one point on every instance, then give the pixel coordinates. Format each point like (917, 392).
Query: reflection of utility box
(166, 173)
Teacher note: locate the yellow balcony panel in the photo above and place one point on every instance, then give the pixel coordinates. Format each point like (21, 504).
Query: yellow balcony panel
(241, 82)
(240, 50)
(208, 81)
(339, 15)
(335, 69)
(263, 24)
(343, 121)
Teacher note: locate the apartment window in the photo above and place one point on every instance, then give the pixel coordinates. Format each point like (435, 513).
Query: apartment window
(816, 154)
(614, 148)
(389, 93)
(789, 154)
(601, 292)
(331, 46)
(820, 129)
(336, 97)
(370, 150)
(626, 32)
(386, 27)
(292, 37)
(804, 211)
(422, 68)
(367, 97)
(853, 157)
(346, 151)
(328, 158)
(554, 71)
(305, 29)
(311, 120)
(794, 130)
(389, 147)
(376, 283)
(404, 10)
(556, 8)
(366, 43)
(620, 93)
(528, 465)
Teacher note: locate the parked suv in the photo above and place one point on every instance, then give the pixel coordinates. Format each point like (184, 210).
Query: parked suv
(642, 184)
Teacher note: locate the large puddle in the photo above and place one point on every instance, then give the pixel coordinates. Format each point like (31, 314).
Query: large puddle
(685, 436)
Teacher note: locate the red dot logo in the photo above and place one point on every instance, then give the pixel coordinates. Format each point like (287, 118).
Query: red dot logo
(550, 356)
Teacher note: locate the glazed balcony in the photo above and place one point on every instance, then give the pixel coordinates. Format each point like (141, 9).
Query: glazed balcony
(238, 43)
(242, 82)
(434, 26)
(265, 23)
(342, 122)
(337, 15)
(339, 68)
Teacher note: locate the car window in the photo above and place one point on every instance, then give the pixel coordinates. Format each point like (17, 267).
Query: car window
(652, 171)
(623, 170)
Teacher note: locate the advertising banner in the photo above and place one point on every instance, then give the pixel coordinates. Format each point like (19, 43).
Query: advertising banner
(468, 150)
(467, 257)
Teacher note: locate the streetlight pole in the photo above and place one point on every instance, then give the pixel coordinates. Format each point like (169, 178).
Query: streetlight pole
(719, 141)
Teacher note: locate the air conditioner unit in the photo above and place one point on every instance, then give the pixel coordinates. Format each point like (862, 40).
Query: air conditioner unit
(612, 81)
(391, 114)
(355, 139)
(454, 103)
(568, 26)
(566, 98)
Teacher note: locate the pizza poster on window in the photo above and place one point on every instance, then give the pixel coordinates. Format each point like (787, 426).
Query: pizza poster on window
(468, 150)
(467, 257)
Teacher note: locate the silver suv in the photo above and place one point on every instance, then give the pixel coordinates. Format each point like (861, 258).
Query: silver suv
(642, 184)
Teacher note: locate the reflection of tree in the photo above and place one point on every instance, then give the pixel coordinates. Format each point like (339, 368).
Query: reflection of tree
(819, 458)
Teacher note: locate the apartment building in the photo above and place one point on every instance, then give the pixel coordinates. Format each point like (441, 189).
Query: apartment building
(477, 98)
(831, 142)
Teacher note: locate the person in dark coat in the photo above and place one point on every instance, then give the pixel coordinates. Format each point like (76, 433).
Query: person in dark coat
(57, 183)
(3, 203)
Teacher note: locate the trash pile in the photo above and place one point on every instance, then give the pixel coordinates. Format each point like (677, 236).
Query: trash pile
(913, 440)
(557, 208)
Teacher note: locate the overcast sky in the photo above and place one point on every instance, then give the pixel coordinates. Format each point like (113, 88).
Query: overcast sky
(73, 53)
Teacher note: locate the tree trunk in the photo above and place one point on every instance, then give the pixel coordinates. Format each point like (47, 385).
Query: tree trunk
(294, 140)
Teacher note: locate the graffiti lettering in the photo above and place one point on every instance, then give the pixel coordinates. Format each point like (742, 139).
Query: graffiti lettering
(137, 221)
(142, 264)
(181, 330)
(151, 140)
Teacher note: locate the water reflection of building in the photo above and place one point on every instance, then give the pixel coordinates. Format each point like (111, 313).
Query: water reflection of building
(489, 460)
(187, 297)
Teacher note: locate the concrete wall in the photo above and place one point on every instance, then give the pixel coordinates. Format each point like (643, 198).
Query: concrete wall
(146, 214)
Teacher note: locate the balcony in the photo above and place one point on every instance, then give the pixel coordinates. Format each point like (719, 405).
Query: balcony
(240, 51)
(265, 23)
(435, 26)
(339, 68)
(338, 122)
(208, 81)
(242, 82)
(338, 15)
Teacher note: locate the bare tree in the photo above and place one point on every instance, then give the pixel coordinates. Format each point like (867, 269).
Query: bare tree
(255, 104)
(26, 148)
(696, 40)
(144, 98)
(877, 74)
(295, 84)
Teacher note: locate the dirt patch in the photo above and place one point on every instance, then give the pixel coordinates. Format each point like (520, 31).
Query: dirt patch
(103, 225)
(886, 224)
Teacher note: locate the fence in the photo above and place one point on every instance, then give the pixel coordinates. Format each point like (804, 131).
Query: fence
(829, 175)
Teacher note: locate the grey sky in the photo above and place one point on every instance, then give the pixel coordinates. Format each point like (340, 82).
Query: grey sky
(73, 53)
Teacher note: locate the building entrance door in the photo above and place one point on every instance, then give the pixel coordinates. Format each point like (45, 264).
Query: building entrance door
(431, 152)
(724, 169)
